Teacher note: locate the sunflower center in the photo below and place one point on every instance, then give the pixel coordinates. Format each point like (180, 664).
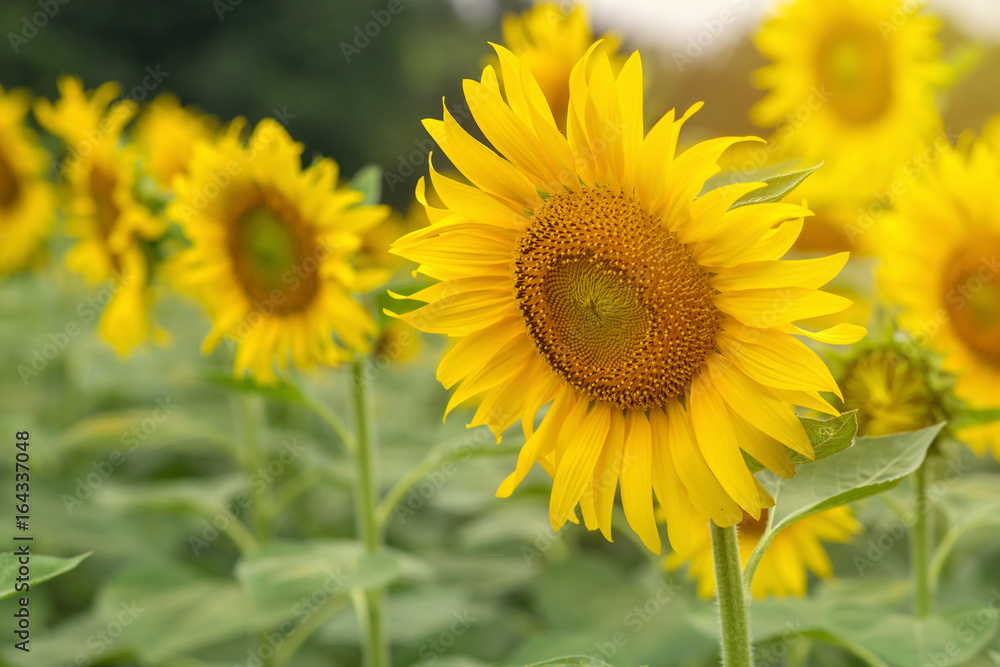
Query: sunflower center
(10, 184)
(275, 255)
(972, 296)
(854, 65)
(614, 303)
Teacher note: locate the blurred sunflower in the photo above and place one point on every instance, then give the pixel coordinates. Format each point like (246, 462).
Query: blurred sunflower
(272, 245)
(27, 205)
(584, 272)
(112, 227)
(950, 288)
(166, 133)
(852, 83)
(551, 39)
(783, 569)
(892, 392)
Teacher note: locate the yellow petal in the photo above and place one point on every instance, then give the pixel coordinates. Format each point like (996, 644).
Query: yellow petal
(765, 308)
(539, 441)
(608, 470)
(713, 431)
(637, 482)
(750, 401)
(703, 488)
(812, 273)
(576, 466)
(668, 487)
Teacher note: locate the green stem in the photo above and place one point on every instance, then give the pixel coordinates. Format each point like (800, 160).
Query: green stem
(239, 534)
(332, 420)
(734, 612)
(250, 409)
(305, 629)
(896, 506)
(433, 461)
(376, 649)
(921, 559)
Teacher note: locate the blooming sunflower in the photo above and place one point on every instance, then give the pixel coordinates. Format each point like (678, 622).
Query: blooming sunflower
(584, 273)
(783, 569)
(167, 133)
(949, 289)
(271, 251)
(103, 213)
(551, 40)
(26, 201)
(852, 83)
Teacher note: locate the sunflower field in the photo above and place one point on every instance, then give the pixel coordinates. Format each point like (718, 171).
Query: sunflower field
(460, 333)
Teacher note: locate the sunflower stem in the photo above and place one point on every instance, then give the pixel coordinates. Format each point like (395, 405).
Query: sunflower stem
(251, 410)
(731, 595)
(376, 647)
(921, 558)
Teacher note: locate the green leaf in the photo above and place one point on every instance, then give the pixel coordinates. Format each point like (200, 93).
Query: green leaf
(872, 465)
(878, 635)
(106, 431)
(746, 175)
(285, 572)
(201, 497)
(572, 661)
(368, 181)
(174, 610)
(43, 568)
(828, 436)
(775, 188)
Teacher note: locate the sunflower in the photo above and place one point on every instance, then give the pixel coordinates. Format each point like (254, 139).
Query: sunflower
(584, 273)
(852, 83)
(271, 252)
(112, 227)
(783, 569)
(166, 133)
(551, 40)
(26, 201)
(891, 391)
(949, 288)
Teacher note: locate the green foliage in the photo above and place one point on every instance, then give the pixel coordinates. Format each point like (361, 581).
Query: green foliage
(775, 187)
(871, 466)
(43, 568)
(828, 436)
(368, 181)
(572, 661)
(281, 573)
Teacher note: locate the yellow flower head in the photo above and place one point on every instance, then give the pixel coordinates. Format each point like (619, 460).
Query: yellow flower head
(584, 273)
(167, 133)
(272, 245)
(852, 82)
(551, 40)
(111, 225)
(890, 391)
(783, 569)
(940, 251)
(26, 201)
